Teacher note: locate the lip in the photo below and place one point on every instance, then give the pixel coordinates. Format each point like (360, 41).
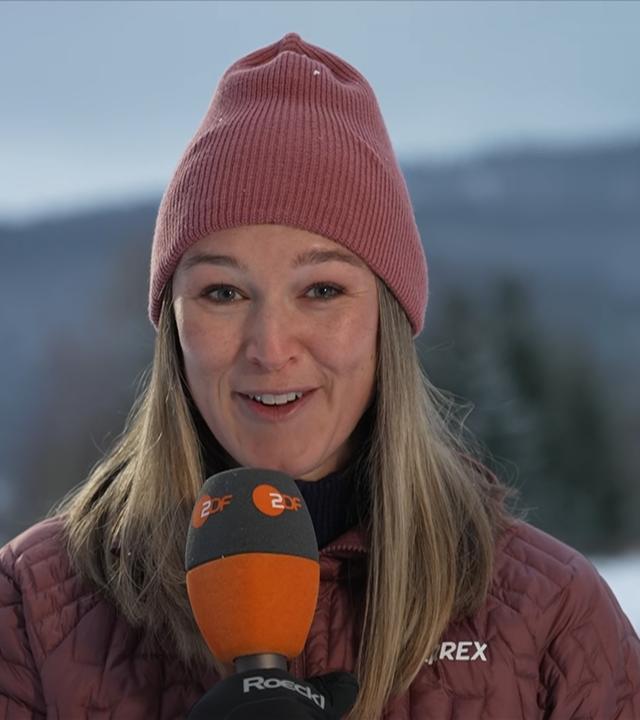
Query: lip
(273, 413)
(264, 391)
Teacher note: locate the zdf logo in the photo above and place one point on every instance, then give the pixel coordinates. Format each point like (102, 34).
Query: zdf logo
(270, 501)
(208, 506)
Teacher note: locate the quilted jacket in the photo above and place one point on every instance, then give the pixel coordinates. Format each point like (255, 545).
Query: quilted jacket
(550, 642)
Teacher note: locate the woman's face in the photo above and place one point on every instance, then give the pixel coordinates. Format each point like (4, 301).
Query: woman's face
(269, 310)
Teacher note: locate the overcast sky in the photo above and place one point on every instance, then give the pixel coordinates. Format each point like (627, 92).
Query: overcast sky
(99, 99)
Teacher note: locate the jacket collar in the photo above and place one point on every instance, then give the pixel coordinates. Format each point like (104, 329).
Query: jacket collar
(352, 543)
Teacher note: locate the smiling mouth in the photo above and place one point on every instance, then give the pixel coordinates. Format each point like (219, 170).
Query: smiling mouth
(279, 399)
(275, 407)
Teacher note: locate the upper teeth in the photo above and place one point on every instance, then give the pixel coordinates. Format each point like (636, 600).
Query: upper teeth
(276, 399)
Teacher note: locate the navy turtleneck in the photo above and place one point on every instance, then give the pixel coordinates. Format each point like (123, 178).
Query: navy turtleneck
(333, 504)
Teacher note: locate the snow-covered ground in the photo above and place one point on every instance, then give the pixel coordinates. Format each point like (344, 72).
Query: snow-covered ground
(623, 577)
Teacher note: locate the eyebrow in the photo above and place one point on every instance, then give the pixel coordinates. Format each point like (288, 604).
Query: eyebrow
(309, 257)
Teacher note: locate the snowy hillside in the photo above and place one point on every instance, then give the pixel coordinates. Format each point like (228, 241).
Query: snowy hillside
(623, 576)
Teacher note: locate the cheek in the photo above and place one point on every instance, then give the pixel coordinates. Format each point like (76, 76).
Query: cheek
(348, 347)
(205, 352)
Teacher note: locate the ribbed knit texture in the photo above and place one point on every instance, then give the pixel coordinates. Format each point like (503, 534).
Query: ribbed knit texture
(294, 136)
(332, 504)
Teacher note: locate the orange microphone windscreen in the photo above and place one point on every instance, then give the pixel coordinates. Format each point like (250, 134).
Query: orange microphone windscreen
(252, 564)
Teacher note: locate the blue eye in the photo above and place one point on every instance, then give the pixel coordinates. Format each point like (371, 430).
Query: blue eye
(221, 294)
(326, 291)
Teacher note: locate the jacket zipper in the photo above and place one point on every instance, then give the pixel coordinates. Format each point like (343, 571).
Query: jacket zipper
(354, 549)
(298, 666)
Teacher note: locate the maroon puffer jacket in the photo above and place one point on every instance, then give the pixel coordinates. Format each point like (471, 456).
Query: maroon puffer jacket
(551, 642)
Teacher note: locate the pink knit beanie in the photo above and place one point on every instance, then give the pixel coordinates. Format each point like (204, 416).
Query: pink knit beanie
(294, 136)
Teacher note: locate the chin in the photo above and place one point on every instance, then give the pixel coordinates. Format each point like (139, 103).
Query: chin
(288, 467)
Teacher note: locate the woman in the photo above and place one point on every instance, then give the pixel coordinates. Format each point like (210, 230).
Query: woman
(288, 282)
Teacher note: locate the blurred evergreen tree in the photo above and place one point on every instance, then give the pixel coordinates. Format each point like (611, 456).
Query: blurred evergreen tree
(540, 411)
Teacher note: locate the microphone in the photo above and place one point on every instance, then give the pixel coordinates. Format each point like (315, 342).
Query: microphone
(253, 575)
(253, 568)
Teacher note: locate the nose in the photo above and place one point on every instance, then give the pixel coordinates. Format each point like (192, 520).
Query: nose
(271, 336)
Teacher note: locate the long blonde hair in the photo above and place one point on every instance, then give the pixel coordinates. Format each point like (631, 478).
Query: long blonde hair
(432, 521)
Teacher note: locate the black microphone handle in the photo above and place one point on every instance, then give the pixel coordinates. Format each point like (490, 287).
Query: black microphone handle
(263, 661)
